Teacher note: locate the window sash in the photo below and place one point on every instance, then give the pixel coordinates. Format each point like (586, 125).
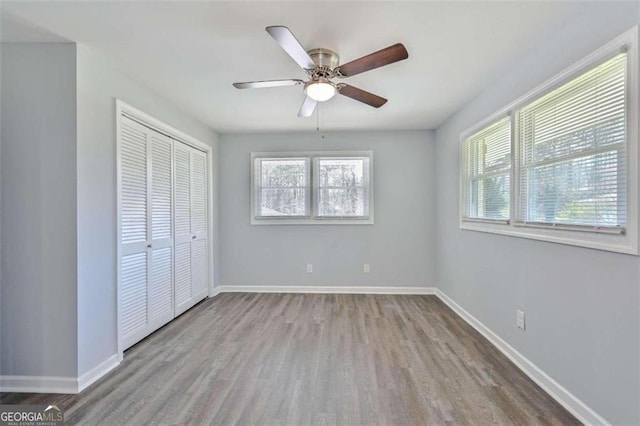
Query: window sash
(318, 187)
(260, 189)
(487, 156)
(591, 107)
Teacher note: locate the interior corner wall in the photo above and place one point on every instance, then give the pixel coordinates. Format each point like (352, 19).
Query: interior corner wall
(582, 306)
(99, 84)
(38, 250)
(399, 246)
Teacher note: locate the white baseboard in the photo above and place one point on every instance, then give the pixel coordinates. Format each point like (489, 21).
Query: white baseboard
(216, 291)
(565, 398)
(38, 384)
(325, 289)
(51, 384)
(96, 373)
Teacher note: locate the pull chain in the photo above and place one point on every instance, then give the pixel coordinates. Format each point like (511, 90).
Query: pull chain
(318, 108)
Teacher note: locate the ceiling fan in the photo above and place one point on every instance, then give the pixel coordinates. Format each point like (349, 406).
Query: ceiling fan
(322, 65)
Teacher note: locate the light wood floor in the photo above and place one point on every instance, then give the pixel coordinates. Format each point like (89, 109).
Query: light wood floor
(312, 359)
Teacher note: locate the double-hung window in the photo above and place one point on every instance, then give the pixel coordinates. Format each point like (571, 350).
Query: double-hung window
(561, 163)
(312, 188)
(487, 172)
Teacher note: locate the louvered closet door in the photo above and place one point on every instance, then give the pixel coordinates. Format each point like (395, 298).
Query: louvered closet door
(199, 269)
(147, 231)
(182, 190)
(135, 261)
(161, 224)
(190, 185)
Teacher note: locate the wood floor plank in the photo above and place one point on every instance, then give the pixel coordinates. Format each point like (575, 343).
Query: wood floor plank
(322, 359)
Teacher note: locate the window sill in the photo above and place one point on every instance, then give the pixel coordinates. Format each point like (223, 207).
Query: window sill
(308, 221)
(618, 243)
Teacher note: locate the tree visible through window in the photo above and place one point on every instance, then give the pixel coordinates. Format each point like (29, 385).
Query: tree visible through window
(342, 187)
(312, 187)
(283, 187)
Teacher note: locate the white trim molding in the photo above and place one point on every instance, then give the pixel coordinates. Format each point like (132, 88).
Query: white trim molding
(39, 384)
(52, 384)
(326, 289)
(99, 371)
(558, 392)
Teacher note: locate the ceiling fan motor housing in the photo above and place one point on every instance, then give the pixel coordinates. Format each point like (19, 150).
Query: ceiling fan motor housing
(326, 60)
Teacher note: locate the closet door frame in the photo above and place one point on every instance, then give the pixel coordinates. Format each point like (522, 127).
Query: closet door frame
(124, 109)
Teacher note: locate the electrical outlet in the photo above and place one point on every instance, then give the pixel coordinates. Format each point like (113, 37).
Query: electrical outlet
(366, 268)
(520, 319)
(309, 268)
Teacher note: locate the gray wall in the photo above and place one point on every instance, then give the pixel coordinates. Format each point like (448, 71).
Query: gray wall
(99, 83)
(399, 246)
(582, 305)
(38, 209)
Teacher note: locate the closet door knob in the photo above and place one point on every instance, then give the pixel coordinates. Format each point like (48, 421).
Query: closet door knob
(193, 238)
(148, 245)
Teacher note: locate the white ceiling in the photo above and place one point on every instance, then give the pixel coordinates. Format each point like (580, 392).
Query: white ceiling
(191, 52)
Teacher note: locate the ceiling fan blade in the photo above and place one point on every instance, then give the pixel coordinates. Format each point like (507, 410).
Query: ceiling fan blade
(266, 83)
(291, 45)
(361, 95)
(307, 108)
(378, 59)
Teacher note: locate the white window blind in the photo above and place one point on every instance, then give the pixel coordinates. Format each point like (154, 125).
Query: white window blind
(282, 187)
(572, 151)
(342, 187)
(487, 170)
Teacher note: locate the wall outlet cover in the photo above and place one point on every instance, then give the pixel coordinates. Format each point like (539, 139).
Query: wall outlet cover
(520, 319)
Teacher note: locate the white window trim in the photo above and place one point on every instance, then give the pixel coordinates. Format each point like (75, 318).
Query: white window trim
(626, 242)
(311, 219)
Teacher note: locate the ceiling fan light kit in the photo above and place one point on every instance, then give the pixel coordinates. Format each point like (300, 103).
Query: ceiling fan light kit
(320, 90)
(322, 65)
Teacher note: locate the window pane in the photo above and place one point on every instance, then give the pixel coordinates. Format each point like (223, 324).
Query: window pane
(581, 191)
(341, 202)
(283, 173)
(341, 172)
(283, 202)
(573, 150)
(487, 158)
(341, 191)
(282, 187)
(490, 197)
